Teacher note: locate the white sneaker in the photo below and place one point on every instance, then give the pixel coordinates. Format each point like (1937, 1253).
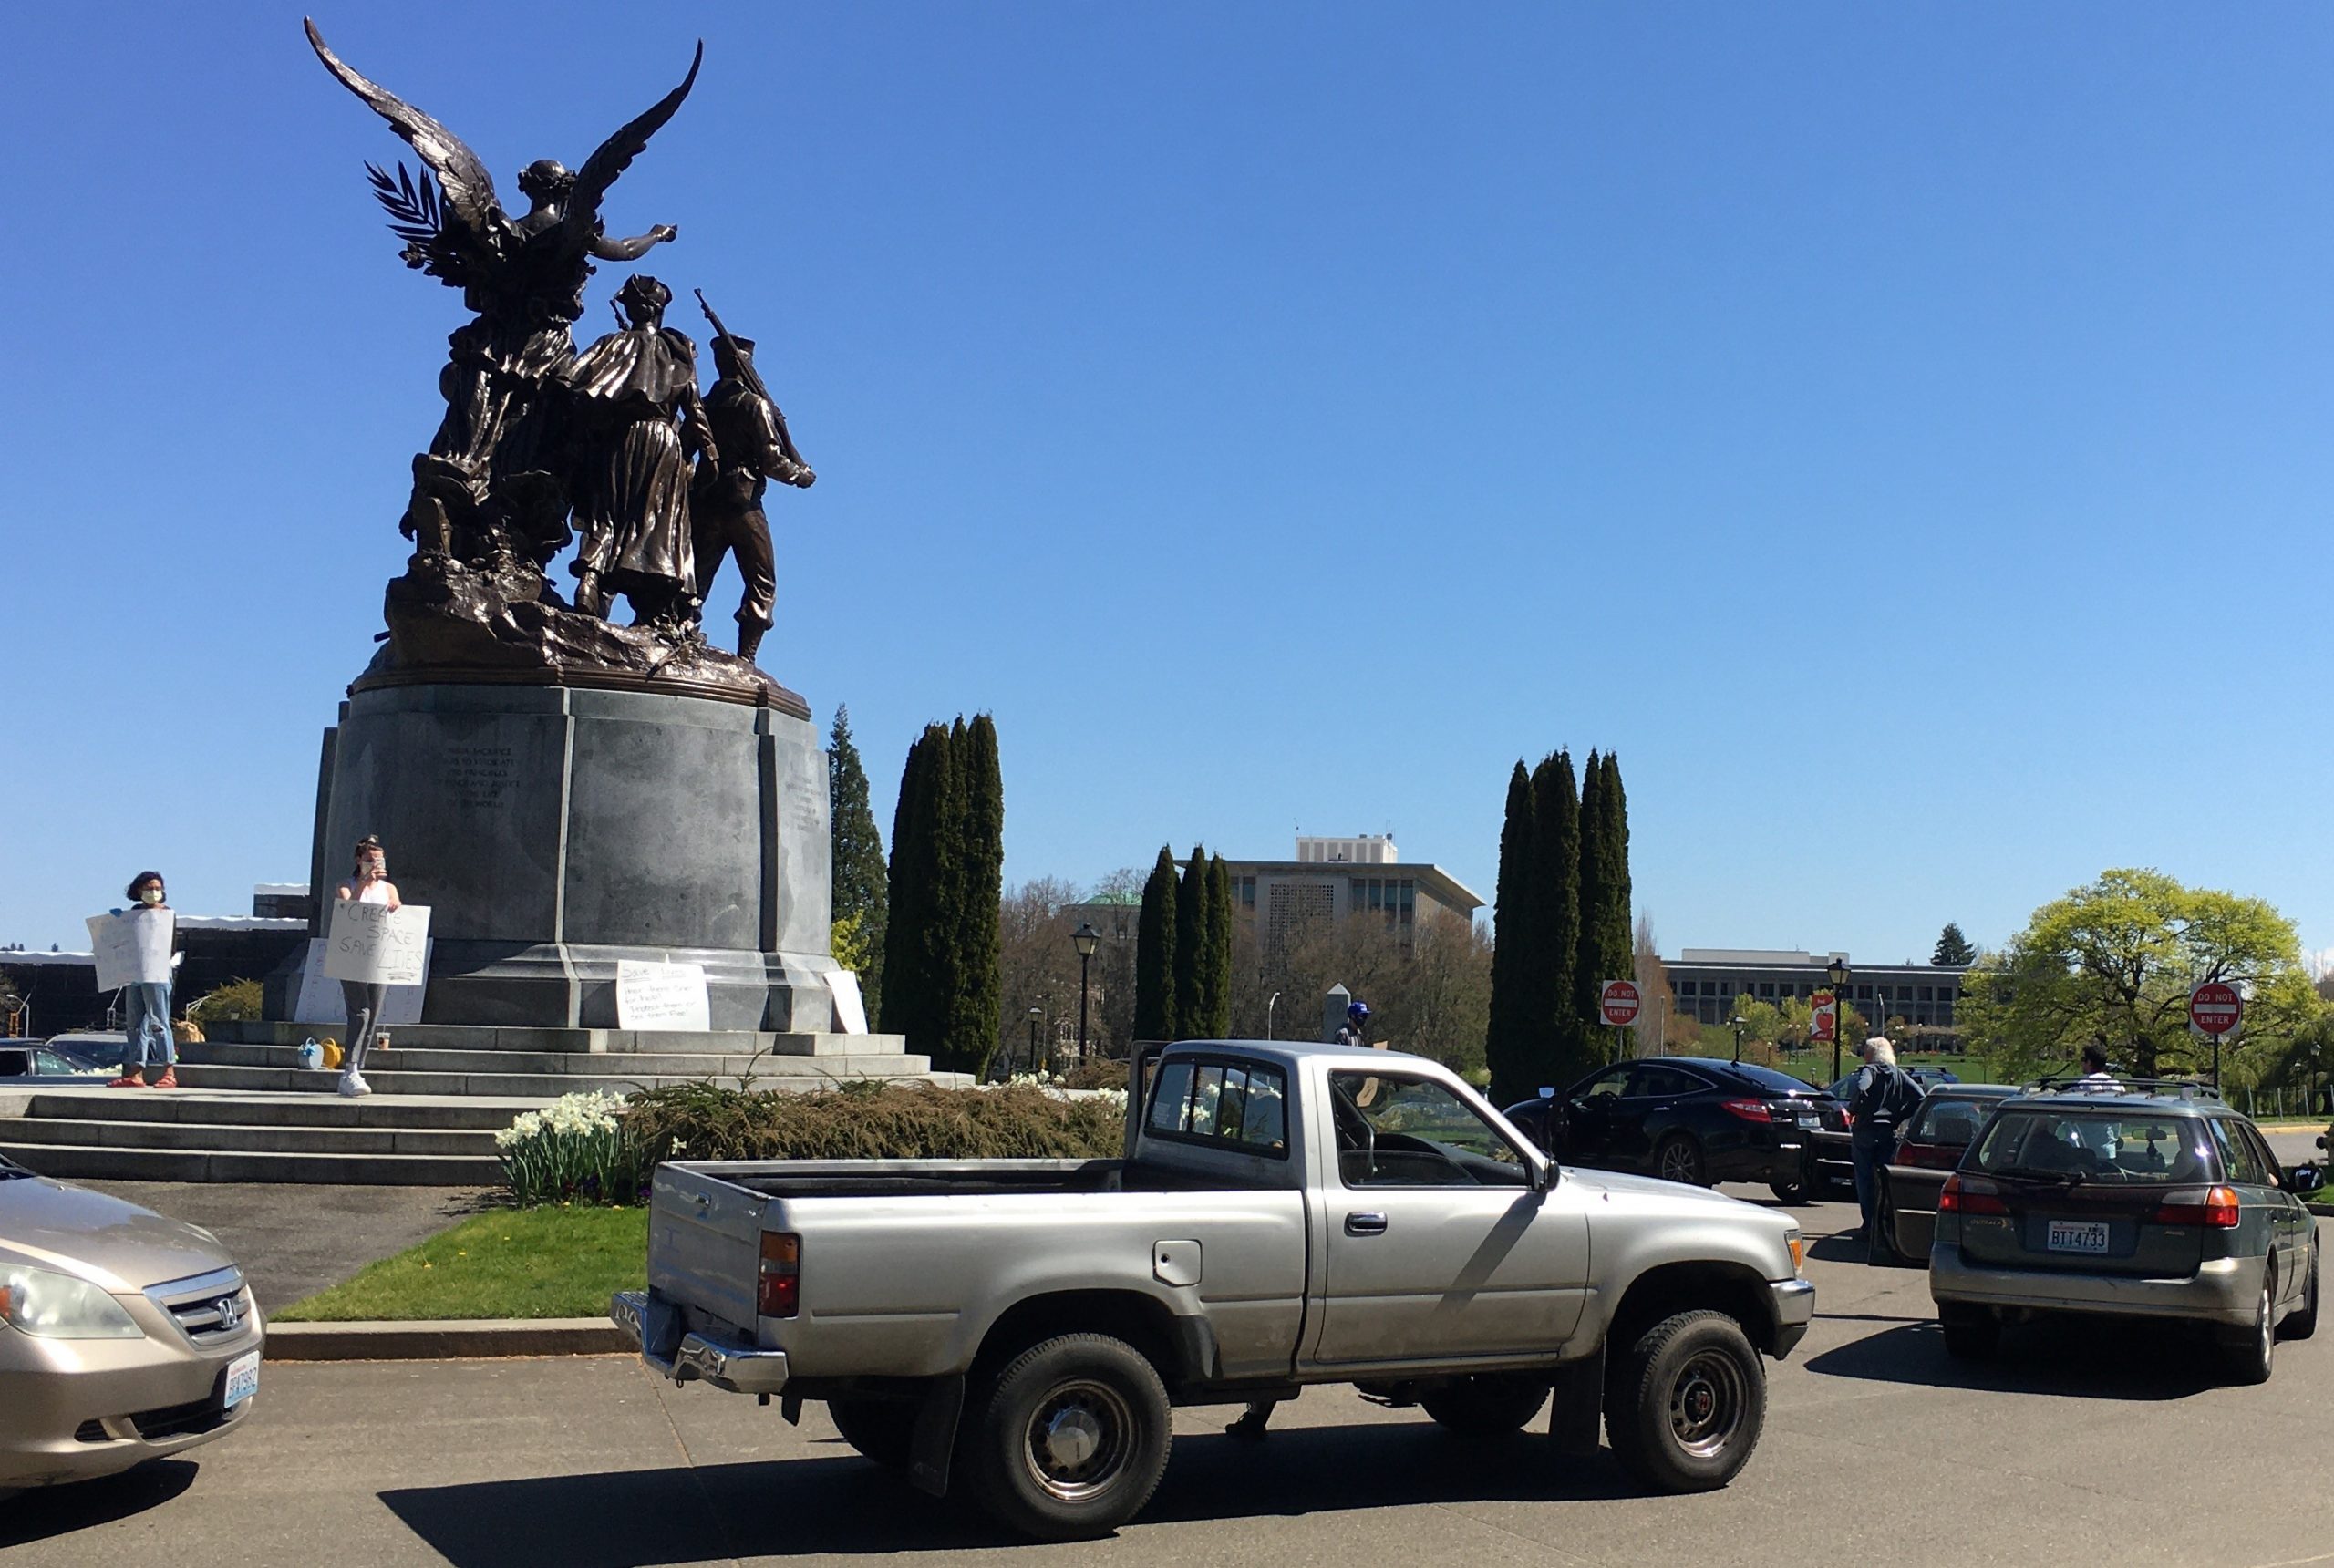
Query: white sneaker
(353, 1086)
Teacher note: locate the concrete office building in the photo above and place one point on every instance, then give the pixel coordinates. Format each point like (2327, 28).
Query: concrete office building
(1705, 980)
(1335, 880)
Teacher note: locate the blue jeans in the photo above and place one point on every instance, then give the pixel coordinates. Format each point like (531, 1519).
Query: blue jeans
(1868, 1158)
(147, 1023)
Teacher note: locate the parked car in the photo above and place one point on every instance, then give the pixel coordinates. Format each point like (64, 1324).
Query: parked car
(2155, 1202)
(21, 1065)
(1285, 1215)
(1929, 1149)
(1684, 1118)
(1831, 1164)
(123, 1335)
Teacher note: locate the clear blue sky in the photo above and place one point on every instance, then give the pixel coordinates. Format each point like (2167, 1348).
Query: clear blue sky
(1902, 432)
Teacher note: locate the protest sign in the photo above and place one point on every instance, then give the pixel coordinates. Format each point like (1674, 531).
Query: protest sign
(374, 944)
(132, 948)
(661, 996)
(851, 1008)
(319, 1001)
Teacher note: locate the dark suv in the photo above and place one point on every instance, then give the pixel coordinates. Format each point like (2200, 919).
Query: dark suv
(2147, 1199)
(1683, 1119)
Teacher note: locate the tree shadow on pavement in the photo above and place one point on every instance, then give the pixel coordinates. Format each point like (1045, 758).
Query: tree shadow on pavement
(848, 1506)
(2098, 1359)
(42, 1513)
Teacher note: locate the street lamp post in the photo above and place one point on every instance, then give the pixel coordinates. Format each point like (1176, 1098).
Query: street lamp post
(1085, 939)
(1035, 1065)
(1836, 972)
(1270, 1002)
(1738, 1042)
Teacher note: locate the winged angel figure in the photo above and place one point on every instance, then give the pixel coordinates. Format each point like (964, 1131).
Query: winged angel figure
(493, 476)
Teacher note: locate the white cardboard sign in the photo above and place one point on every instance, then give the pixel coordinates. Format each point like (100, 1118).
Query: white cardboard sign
(374, 944)
(851, 1008)
(319, 1000)
(662, 996)
(132, 947)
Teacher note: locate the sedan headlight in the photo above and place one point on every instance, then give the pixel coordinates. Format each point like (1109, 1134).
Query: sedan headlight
(58, 1306)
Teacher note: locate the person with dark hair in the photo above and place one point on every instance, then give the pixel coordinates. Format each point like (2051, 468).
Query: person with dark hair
(146, 1004)
(368, 883)
(1357, 1024)
(2094, 1070)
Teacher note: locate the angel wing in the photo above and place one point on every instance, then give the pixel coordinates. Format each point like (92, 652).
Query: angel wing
(435, 230)
(615, 154)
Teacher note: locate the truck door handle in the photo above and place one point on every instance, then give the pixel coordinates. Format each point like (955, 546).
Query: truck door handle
(1365, 1224)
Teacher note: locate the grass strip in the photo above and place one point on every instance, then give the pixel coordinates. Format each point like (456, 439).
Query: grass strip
(549, 1262)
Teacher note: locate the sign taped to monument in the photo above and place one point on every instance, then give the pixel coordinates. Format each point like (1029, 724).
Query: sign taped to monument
(133, 948)
(851, 1006)
(662, 996)
(374, 944)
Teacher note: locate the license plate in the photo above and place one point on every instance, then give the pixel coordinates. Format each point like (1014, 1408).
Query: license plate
(242, 1378)
(1810, 1121)
(2076, 1236)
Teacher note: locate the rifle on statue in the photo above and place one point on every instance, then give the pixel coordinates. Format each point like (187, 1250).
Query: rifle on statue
(752, 377)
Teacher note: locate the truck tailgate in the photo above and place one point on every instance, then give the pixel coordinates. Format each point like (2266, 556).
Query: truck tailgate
(705, 1245)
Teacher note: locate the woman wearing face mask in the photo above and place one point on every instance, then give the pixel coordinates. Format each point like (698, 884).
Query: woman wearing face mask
(146, 1003)
(368, 883)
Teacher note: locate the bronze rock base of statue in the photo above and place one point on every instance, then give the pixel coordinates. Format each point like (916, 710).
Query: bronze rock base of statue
(497, 624)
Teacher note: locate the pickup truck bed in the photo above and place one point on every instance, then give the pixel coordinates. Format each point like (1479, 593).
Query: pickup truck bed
(1285, 1215)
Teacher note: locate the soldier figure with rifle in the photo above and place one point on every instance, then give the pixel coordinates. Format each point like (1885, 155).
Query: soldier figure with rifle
(726, 504)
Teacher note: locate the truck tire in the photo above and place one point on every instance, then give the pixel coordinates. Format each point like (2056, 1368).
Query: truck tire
(1071, 1439)
(1488, 1405)
(1971, 1333)
(882, 1429)
(1685, 1405)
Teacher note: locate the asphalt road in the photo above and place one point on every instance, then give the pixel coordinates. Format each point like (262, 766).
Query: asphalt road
(2092, 1446)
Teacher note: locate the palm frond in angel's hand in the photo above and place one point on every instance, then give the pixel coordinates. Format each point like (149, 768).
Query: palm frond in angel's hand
(416, 214)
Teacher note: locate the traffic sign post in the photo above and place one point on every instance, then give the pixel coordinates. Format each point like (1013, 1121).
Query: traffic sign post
(1618, 1004)
(2214, 1008)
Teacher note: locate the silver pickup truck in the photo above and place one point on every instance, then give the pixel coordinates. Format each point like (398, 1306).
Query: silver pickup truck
(1285, 1214)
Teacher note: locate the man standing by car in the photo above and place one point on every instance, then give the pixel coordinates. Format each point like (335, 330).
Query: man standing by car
(1882, 1099)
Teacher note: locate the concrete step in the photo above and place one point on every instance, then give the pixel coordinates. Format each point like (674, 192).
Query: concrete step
(547, 1086)
(441, 1113)
(578, 1042)
(84, 1164)
(694, 1065)
(274, 1138)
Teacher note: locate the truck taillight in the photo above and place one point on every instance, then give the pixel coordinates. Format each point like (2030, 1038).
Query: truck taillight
(1748, 1110)
(2215, 1208)
(1964, 1196)
(779, 1289)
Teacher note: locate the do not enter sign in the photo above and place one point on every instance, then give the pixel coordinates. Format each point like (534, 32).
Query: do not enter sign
(1617, 1001)
(2215, 1007)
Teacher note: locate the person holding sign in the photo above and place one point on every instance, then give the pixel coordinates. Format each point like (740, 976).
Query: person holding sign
(146, 1004)
(368, 883)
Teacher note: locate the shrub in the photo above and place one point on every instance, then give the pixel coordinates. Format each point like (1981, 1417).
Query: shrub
(577, 1149)
(889, 1121)
(236, 1000)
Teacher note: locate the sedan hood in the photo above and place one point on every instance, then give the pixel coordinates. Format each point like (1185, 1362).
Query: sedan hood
(117, 1246)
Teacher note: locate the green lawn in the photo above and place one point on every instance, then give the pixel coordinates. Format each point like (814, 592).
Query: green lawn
(551, 1262)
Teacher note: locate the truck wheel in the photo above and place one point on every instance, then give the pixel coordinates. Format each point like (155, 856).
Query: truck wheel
(1686, 1404)
(1488, 1405)
(1679, 1158)
(882, 1429)
(1071, 1439)
(1971, 1333)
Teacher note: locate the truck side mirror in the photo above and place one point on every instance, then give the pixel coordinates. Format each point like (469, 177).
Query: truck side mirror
(1545, 1175)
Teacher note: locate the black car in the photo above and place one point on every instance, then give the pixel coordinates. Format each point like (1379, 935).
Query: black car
(1830, 1167)
(1683, 1119)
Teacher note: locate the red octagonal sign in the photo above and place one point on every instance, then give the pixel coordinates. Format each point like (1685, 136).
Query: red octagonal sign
(2215, 1007)
(1618, 1001)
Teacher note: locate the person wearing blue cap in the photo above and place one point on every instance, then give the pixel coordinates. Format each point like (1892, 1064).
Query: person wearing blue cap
(1357, 1017)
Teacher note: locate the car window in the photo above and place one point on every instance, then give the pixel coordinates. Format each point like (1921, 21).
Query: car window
(2244, 1165)
(1651, 1079)
(16, 1064)
(1222, 1102)
(1951, 1122)
(1610, 1084)
(1767, 1080)
(2263, 1152)
(1412, 1132)
(2105, 1146)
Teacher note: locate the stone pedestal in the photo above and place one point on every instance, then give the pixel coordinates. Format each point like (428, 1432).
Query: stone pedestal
(554, 830)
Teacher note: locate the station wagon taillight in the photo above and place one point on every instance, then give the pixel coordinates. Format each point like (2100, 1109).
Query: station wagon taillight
(2214, 1208)
(1971, 1195)
(779, 1290)
(1927, 1156)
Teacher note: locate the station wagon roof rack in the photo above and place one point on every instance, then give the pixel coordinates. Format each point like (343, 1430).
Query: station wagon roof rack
(2168, 1087)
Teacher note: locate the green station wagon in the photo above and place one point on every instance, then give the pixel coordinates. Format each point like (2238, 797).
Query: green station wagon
(2143, 1200)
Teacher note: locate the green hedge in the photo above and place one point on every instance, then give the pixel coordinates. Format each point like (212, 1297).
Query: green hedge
(891, 1121)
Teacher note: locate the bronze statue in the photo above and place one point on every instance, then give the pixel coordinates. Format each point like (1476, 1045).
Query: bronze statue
(632, 390)
(725, 502)
(490, 477)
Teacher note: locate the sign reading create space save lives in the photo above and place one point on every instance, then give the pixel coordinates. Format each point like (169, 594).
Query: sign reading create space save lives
(1617, 1003)
(2215, 1007)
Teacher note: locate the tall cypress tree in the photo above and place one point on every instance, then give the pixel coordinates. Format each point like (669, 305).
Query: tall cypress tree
(861, 883)
(1559, 1051)
(1216, 992)
(1155, 954)
(917, 936)
(1507, 1047)
(1605, 951)
(1192, 946)
(977, 885)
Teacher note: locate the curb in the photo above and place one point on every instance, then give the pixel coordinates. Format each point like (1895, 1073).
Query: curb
(454, 1340)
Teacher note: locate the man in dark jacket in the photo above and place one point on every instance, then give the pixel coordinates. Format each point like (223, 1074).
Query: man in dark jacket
(1882, 1101)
